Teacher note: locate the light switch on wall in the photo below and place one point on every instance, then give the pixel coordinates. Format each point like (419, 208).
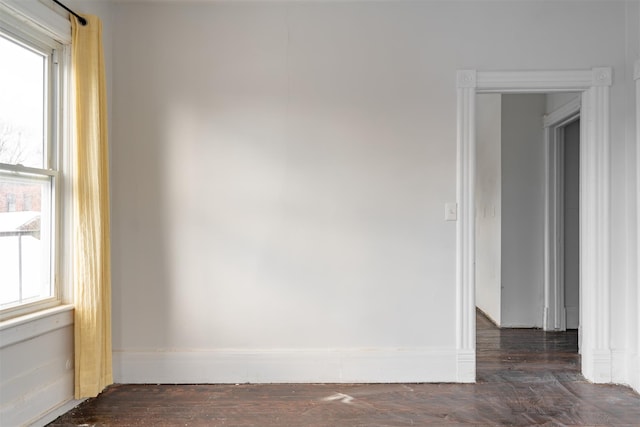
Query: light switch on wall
(451, 211)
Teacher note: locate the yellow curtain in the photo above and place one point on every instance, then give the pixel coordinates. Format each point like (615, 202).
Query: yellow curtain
(91, 252)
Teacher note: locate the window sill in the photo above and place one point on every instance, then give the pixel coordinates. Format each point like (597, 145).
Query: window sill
(29, 326)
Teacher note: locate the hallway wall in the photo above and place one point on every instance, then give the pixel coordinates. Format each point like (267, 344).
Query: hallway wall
(522, 196)
(488, 205)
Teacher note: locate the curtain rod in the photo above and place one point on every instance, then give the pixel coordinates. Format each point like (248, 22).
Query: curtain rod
(80, 18)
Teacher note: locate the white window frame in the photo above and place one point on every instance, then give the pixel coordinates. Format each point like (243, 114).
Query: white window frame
(36, 26)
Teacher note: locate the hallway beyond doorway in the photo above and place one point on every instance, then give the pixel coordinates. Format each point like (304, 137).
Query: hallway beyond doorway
(523, 354)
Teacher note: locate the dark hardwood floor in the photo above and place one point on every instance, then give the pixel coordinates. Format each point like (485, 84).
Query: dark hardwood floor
(525, 377)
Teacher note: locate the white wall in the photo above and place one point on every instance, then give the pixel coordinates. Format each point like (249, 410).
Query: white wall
(273, 194)
(280, 172)
(488, 205)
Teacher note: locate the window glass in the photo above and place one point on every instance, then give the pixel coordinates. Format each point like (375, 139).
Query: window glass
(28, 173)
(25, 250)
(22, 105)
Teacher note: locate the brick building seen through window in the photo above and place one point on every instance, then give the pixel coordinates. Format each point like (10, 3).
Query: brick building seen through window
(19, 197)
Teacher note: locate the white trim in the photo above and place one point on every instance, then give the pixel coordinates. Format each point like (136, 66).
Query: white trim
(66, 148)
(467, 79)
(26, 410)
(36, 14)
(466, 366)
(54, 413)
(287, 366)
(29, 326)
(594, 204)
(15, 170)
(554, 318)
(634, 370)
(599, 364)
(619, 359)
(534, 81)
(34, 24)
(595, 226)
(465, 227)
(562, 115)
(633, 373)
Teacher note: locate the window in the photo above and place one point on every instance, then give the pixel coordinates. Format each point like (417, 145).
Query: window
(30, 173)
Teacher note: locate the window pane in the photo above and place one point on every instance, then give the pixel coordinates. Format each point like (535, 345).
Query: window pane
(22, 113)
(25, 236)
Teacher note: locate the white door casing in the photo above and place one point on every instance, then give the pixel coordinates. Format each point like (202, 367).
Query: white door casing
(636, 76)
(594, 206)
(554, 318)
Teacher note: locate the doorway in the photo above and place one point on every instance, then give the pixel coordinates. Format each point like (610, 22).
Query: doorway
(513, 260)
(594, 86)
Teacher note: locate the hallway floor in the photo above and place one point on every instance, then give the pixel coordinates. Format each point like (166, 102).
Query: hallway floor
(525, 377)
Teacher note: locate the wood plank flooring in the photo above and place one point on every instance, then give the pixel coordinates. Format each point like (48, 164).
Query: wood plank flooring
(525, 377)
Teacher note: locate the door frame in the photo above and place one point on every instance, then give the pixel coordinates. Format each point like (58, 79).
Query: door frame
(594, 206)
(635, 305)
(554, 316)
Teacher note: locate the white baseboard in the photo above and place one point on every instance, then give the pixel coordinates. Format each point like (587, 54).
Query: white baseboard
(634, 372)
(596, 365)
(619, 362)
(51, 415)
(292, 366)
(466, 366)
(35, 407)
